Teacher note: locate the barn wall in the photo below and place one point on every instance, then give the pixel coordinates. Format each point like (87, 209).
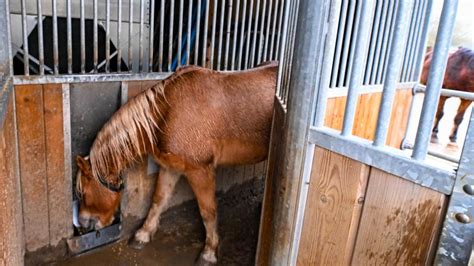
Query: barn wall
(11, 233)
(359, 215)
(367, 113)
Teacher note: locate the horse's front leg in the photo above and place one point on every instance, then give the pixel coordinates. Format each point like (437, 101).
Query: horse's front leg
(165, 184)
(203, 184)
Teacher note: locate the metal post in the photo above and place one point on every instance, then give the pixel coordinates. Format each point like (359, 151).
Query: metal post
(69, 36)
(320, 110)
(180, 31)
(221, 34)
(355, 79)
(198, 29)
(236, 32)
(83, 37)
(188, 38)
(96, 37)
(340, 38)
(41, 36)
(435, 78)
(170, 41)
(308, 53)
(206, 24)
(24, 27)
(420, 53)
(457, 236)
(107, 36)
(242, 31)
(130, 36)
(394, 67)
(119, 33)
(228, 34)
(213, 35)
(162, 30)
(141, 57)
(249, 36)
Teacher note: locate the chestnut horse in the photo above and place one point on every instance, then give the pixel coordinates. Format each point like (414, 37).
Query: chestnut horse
(459, 76)
(190, 123)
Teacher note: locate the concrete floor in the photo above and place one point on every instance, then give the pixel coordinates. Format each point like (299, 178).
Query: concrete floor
(181, 236)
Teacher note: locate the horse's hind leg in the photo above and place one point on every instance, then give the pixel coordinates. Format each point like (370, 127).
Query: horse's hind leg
(165, 184)
(458, 119)
(439, 115)
(202, 181)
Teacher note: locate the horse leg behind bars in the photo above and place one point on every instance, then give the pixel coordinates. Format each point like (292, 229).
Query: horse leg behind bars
(453, 137)
(439, 115)
(164, 187)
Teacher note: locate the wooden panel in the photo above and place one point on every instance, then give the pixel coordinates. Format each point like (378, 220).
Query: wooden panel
(333, 209)
(59, 186)
(365, 120)
(266, 232)
(31, 137)
(11, 228)
(399, 224)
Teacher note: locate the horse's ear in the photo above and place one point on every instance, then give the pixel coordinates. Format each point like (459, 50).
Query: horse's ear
(83, 164)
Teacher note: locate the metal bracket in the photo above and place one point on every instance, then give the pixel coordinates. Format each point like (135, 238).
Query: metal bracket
(457, 237)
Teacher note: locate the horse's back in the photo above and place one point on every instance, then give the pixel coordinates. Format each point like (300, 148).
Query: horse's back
(207, 107)
(459, 73)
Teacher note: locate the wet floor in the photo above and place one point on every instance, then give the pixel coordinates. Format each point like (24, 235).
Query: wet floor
(181, 236)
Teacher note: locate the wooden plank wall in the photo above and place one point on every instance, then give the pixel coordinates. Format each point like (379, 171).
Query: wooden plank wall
(11, 233)
(46, 191)
(358, 215)
(367, 113)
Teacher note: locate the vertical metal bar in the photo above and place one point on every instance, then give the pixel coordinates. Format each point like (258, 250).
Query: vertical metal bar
(213, 35)
(55, 38)
(382, 29)
(242, 40)
(373, 42)
(289, 53)
(95, 37)
(198, 29)
(24, 27)
(411, 34)
(236, 32)
(420, 54)
(205, 38)
(355, 80)
(69, 37)
(228, 33)
(283, 52)
(141, 52)
(355, 29)
(83, 37)
(41, 36)
(419, 42)
(130, 36)
(280, 22)
(180, 31)
(249, 36)
(321, 102)
(255, 32)
(221, 35)
(262, 33)
(107, 36)
(292, 35)
(151, 47)
(457, 235)
(435, 78)
(394, 66)
(274, 33)
(119, 36)
(188, 38)
(348, 36)
(339, 41)
(386, 43)
(170, 41)
(267, 34)
(162, 30)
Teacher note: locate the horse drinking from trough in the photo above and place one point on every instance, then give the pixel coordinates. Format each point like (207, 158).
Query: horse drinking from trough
(459, 76)
(190, 123)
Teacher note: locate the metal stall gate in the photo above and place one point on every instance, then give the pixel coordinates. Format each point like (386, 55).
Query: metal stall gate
(66, 67)
(339, 190)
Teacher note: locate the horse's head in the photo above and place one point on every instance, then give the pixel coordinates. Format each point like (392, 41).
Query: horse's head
(98, 204)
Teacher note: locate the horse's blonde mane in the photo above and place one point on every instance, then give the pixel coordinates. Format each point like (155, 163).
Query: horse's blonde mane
(122, 139)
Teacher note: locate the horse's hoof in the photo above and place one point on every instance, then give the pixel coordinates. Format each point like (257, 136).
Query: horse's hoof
(136, 244)
(434, 139)
(201, 261)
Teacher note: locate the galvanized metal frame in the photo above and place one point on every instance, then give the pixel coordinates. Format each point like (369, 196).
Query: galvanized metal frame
(457, 236)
